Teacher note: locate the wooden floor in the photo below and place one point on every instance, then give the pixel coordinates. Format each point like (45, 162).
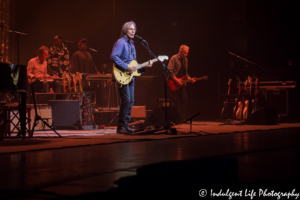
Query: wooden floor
(100, 164)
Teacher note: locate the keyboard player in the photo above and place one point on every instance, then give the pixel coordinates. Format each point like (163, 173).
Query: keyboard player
(37, 73)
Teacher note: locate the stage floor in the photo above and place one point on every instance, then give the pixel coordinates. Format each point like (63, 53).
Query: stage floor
(72, 138)
(101, 163)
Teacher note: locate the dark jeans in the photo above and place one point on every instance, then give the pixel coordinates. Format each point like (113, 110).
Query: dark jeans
(179, 100)
(127, 100)
(39, 86)
(43, 87)
(56, 86)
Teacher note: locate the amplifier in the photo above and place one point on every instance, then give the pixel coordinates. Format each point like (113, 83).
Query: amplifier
(66, 114)
(138, 112)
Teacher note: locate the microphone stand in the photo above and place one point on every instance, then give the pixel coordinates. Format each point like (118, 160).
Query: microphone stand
(38, 117)
(165, 68)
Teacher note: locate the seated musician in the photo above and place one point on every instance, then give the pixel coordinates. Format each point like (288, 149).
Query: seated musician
(37, 72)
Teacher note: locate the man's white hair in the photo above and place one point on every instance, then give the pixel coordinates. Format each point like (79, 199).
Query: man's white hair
(182, 47)
(126, 26)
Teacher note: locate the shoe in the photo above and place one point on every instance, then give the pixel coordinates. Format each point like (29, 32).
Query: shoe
(121, 131)
(129, 130)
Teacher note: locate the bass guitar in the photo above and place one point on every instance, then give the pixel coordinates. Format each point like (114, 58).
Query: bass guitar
(69, 82)
(225, 104)
(255, 100)
(236, 100)
(246, 102)
(75, 82)
(64, 81)
(79, 78)
(124, 77)
(241, 104)
(174, 87)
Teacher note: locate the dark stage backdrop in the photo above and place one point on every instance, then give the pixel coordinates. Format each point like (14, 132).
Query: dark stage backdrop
(203, 25)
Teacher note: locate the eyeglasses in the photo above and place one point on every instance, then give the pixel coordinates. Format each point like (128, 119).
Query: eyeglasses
(132, 29)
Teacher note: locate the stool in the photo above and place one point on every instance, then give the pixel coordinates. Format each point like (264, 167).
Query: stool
(9, 120)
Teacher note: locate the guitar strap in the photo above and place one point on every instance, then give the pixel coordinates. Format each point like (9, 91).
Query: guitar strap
(182, 71)
(184, 67)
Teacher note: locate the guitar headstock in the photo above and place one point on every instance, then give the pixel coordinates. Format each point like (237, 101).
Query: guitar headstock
(206, 77)
(229, 82)
(249, 79)
(74, 78)
(162, 58)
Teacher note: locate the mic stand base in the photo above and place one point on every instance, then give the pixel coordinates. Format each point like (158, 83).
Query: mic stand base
(166, 126)
(37, 117)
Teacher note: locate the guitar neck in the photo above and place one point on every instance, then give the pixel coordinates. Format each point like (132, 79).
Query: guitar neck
(187, 81)
(146, 63)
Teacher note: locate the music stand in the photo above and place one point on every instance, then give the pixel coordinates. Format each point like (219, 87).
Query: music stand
(191, 121)
(37, 117)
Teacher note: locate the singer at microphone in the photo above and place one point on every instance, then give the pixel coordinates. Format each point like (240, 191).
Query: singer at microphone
(82, 60)
(124, 53)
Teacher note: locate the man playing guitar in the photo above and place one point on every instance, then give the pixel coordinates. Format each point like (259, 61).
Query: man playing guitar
(122, 55)
(178, 65)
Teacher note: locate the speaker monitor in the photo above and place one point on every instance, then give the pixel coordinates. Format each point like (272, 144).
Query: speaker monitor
(66, 114)
(158, 116)
(263, 116)
(138, 112)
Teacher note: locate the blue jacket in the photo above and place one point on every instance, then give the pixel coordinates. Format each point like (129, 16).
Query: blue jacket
(123, 52)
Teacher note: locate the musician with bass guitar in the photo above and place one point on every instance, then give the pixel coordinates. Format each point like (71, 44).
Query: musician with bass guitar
(123, 54)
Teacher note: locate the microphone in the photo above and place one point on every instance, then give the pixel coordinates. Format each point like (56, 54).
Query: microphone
(92, 49)
(69, 42)
(140, 38)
